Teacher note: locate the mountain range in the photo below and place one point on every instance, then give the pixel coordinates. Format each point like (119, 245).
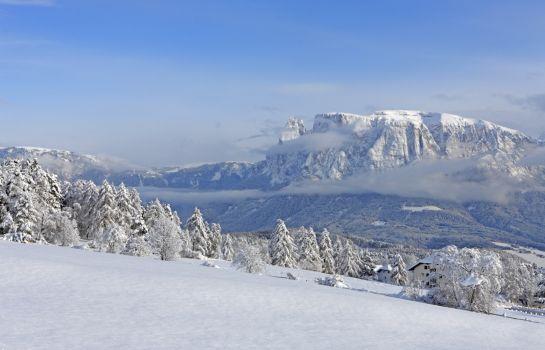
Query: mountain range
(427, 179)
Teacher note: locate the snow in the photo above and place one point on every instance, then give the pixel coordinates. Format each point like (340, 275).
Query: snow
(421, 208)
(532, 255)
(471, 280)
(53, 297)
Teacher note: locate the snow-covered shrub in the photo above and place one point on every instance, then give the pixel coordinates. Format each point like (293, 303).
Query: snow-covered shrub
(518, 283)
(111, 239)
(249, 259)
(137, 246)
(164, 237)
(332, 281)
(470, 278)
(60, 229)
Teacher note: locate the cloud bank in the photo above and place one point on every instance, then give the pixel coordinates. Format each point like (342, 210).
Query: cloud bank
(436, 180)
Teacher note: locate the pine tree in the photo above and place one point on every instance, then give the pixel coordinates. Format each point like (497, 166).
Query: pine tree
(21, 206)
(154, 211)
(309, 257)
(227, 249)
(399, 273)
(198, 233)
(281, 247)
(104, 214)
(326, 253)
(215, 241)
(125, 207)
(367, 264)
(350, 260)
(185, 245)
(338, 253)
(138, 225)
(25, 221)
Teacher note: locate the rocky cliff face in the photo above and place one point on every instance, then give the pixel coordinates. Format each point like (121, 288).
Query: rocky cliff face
(387, 139)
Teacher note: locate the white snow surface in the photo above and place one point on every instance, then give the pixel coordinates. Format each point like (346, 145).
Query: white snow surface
(421, 208)
(61, 298)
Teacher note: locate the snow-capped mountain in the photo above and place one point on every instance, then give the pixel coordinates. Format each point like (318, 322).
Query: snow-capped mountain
(341, 144)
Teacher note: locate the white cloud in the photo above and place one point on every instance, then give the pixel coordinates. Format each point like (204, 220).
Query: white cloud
(440, 179)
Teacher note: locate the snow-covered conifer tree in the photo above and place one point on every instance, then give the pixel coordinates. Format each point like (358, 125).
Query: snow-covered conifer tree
(281, 247)
(309, 256)
(350, 260)
(227, 249)
(326, 253)
(215, 241)
(338, 253)
(198, 233)
(105, 213)
(367, 263)
(399, 273)
(185, 245)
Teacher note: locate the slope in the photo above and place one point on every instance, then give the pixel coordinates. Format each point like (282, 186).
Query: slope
(59, 298)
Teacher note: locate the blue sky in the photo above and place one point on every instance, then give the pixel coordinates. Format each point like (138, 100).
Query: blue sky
(184, 82)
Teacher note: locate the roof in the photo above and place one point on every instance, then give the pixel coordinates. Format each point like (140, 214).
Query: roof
(379, 268)
(426, 260)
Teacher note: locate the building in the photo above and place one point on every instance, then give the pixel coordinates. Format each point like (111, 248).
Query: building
(426, 273)
(382, 273)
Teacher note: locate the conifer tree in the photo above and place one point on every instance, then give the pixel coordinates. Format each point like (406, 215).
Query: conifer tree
(399, 273)
(350, 260)
(227, 249)
(215, 241)
(186, 249)
(338, 253)
(309, 256)
(367, 263)
(198, 233)
(281, 247)
(326, 253)
(104, 214)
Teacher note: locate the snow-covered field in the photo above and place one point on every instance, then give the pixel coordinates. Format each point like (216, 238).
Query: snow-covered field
(532, 255)
(61, 298)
